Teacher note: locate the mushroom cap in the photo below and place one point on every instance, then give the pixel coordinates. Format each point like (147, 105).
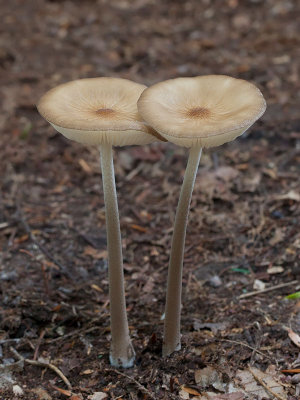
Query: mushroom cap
(204, 110)
(96, 111)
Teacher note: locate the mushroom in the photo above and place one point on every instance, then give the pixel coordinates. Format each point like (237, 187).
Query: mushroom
(203, 111)
(103, 112)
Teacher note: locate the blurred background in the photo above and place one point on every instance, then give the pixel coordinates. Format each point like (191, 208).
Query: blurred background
(245, 209)
(45, 43)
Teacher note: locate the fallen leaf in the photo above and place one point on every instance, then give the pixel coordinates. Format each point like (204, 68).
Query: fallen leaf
(259, 285)
(18, 391)
(184, 395)
(41, 393)
(228, 396)
(291, 195)
(241, 21)
(295, 338)
(56, 308)
(262, 384)
(251, 184)
(87, 372)
(209, 377)
(190, 390)
(226, 173)
(94, 253)
(271, 173)
(217, 184)
(149, 285)
(96, 287)
(21, 239)
(246, 380)
(214, 327)
(284, 59)
(98, 396)
(275, 270)
(293, 296)
(277, 237)
(242, 167)
(154, 252)
(138, 228)
(58, 189)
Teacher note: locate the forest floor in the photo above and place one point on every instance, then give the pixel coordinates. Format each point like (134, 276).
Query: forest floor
(243, 234)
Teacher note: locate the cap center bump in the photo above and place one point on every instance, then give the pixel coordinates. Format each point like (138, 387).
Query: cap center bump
(105, 112)
(198, 112)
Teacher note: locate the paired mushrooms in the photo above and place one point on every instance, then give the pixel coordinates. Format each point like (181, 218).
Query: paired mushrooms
(194, 112)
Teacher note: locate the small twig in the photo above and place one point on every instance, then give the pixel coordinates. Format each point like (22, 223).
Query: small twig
(141, 387)
(36, 351)
(77, 332)
(36, 242)
(45, 279)
(4, 341)
(246, 345)
(243, 296)
(43, 364)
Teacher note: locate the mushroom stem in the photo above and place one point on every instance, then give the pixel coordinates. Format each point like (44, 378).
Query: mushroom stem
(121, 352)
(173, 300)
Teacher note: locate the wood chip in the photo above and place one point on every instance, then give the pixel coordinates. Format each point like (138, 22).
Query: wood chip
(84, 165)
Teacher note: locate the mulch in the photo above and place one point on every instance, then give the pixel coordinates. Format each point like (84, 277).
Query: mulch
(243, 231)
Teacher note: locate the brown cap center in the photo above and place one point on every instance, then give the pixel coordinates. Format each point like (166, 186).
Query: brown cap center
(105, 112)
(198, 112)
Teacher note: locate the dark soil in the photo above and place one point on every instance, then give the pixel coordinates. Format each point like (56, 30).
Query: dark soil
(244, 218)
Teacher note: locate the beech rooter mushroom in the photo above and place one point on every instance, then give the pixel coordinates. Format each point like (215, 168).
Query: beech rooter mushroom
(103, 112)
(203, 111)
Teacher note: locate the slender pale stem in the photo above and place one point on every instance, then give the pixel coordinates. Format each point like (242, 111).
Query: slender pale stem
(121, 352)
(173, 300)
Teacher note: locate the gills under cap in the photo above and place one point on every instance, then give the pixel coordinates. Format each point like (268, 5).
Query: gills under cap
(205, 110)
(96, 111)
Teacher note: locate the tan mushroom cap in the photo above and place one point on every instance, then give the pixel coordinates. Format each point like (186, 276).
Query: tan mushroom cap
(204, 110)
(96, 111)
